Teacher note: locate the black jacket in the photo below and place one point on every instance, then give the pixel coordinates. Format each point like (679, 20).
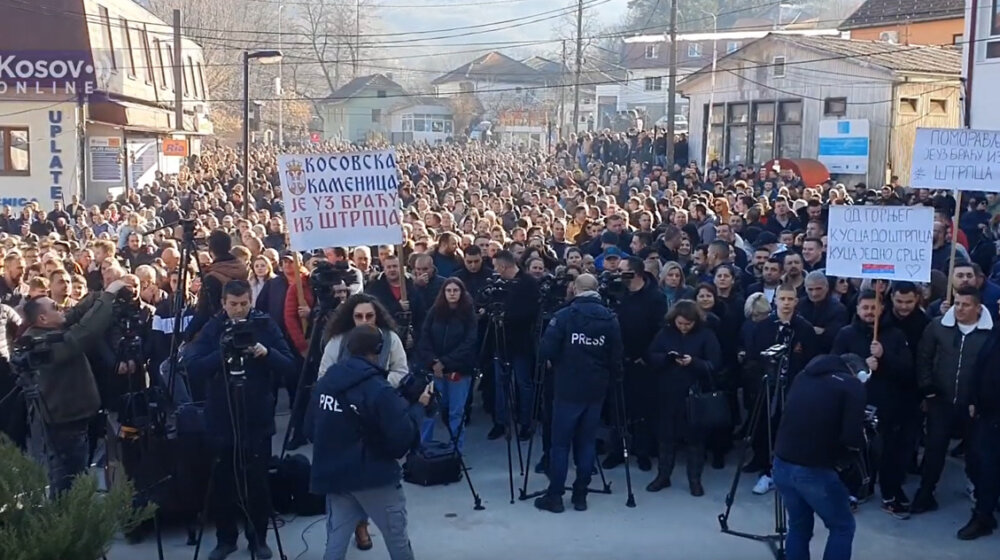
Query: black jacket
(521, 313)
(829, 314)
(985, 384)
(761, 336)
(381, 290)
(823, 415)
(452, 340)
(641, 314)
(474, 281)
(913, 327)
(893, 386)
(675, 381)
(205, 359)
(584, 343)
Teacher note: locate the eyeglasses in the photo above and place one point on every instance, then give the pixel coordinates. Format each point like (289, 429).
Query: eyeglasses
(364, 316)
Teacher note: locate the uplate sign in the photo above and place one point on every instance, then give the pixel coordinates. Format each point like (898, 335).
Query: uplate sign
(26, 73)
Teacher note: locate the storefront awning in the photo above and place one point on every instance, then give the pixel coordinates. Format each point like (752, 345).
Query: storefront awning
(143, 118)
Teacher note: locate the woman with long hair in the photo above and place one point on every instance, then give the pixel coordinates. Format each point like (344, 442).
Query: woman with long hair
(684, 355)
(260, 272)
(448, 347)
(672, 283)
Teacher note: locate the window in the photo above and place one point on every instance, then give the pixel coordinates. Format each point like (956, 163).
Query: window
(908, 105)
(376, 115)
(15, 152)
(159, 60)
(201, 81)
(418, 123)
(789, 129)
(149, 75)
(129, 57)
(193, 77)
(835, 107)
(993, 49)
(407, 123)
(109, 41)
(170, 65)
(762, 147)
(694, 50)
(957, 39)
(380, 93)
(652, 51)
(732, 46)
(778, 67)
(938, 107)
(995, 19)
(184, 74)
(889, 37)
(717, 117)
(654, 83)
(737, 145)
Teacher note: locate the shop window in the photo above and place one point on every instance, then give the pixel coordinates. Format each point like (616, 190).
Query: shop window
(909, 105)
(939, 107)
(835, 107)
(15, 152)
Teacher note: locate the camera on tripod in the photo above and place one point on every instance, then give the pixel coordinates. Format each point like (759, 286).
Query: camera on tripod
(494, 294)
(237, 337)
(611, 285)
(552, 291)
(775, 352)
(325, 278)
(33, 352)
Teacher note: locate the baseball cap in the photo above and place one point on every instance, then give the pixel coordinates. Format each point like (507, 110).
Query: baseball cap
(613, 252)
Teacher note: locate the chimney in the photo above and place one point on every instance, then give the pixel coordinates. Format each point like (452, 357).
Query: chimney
(388, 75)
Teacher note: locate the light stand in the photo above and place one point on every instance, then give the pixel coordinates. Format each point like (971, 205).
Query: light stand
(264, 57)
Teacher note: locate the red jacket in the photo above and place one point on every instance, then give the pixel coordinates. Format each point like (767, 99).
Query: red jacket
(293, 324)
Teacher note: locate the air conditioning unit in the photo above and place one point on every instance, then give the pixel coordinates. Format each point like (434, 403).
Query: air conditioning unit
(889, 37)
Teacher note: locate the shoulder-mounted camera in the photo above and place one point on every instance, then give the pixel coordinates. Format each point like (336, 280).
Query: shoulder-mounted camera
(33, 352)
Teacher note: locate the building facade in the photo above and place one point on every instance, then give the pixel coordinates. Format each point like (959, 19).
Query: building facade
(421, 120)
(853, 105)
(89, 107)
(981, 63)
(908, 22)
(359, 109)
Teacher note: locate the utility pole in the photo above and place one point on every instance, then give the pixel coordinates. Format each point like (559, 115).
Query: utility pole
(357, 35)
(562, 92)
(579, 66)
(178, 75)
(280, 89)
(672, 84)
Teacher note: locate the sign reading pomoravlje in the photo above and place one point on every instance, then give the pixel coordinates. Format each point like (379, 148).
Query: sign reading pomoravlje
(956, 158)
(341, 199)
(880, 242)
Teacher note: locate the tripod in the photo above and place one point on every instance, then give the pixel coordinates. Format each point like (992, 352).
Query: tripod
(502, 367)
(453, 437)
(309, 372)
(622, 427)
(235, 378)
(770, 399)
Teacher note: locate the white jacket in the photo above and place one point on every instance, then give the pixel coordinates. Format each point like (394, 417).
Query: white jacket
(396, 367)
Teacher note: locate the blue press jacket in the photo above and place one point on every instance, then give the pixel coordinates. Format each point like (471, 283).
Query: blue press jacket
(204, 366)
(361, 427)
(584, 343)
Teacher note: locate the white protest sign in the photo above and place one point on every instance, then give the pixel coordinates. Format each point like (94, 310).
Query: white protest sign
(880, 242)
(341, 199)
(956, 158)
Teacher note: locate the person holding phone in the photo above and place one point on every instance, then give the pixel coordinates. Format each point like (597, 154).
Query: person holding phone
(684, 354)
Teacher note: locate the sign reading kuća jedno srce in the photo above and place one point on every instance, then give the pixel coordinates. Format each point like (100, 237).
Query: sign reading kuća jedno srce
(956, 158)
(880, 242)
(341, 199)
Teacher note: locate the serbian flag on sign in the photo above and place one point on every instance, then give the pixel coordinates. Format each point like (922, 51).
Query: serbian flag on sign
(878, 269)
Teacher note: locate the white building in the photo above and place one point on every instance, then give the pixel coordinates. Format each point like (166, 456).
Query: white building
(982, 27)
(89, 106)
(423, 120)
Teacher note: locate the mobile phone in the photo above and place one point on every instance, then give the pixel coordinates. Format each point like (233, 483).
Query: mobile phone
(674, 355)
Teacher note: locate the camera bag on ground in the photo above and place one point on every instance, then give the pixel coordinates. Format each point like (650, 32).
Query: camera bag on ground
(433, 463)
(289, 479)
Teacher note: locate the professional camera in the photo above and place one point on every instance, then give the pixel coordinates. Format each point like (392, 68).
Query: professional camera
(775, 353)
(611, 285)
(413, 385)
(326, 277)
(33, 352)
(494, 293)
(237, 337)
(552, 290)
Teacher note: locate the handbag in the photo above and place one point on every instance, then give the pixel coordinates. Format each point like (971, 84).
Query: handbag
(708, 409)
(432, 464)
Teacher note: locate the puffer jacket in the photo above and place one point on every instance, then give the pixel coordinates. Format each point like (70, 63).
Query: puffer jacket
(947, 356)
(452, 340)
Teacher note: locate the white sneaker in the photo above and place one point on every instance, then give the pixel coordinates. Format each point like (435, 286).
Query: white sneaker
(764, 485)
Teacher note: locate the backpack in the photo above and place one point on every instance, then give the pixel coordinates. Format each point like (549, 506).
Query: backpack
(432, 464)
(289, 480)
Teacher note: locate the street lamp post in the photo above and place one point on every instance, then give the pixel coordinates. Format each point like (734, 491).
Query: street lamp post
(280, 89)
(264, 57)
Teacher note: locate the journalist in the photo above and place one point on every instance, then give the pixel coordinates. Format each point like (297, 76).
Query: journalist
(361, 428)
(584, 343)
(240, 462)
(66, 385)
(821, 426)
(447, 347)
(684, 355)
(641, 310)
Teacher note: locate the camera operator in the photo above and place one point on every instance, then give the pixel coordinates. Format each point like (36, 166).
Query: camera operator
(519, 304)
(242, 462)
(785, 327)
(945, 368)
(821, 426)
(583, 342)
(361, 428)
(891, 389)
(474, 273)
(640, 311)
(66, 385)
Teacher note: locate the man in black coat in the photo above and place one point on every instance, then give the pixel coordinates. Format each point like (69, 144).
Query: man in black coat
(248, 412)
(984, 453)
(640, 312)
(891, 388)
(825, 314)
(386, 288)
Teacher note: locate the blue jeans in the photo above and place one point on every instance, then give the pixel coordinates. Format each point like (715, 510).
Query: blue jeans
(68, 450)
(454, 395)
(525, 387)
(575, 423)
(807, 491)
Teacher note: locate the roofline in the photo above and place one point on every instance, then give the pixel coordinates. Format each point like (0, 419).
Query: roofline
(731, 35)
(924, 19)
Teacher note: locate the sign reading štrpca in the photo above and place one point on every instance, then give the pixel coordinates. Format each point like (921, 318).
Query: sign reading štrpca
(880, 242)
(956, 158)
(341, 199)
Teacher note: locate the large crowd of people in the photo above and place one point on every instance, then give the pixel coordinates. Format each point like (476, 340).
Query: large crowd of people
(712, 267)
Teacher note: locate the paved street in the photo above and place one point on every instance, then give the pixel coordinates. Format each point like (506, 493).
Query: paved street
(667, 525)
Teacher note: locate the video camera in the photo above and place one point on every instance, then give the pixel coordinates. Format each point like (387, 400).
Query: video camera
(494, 293)
(326, 277)
(237, 337)
(413, 385)
(552, 290)
(611, 285)
(774, 353)
(33, 352)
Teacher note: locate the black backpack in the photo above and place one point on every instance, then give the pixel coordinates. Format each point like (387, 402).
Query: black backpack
(290, 493)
